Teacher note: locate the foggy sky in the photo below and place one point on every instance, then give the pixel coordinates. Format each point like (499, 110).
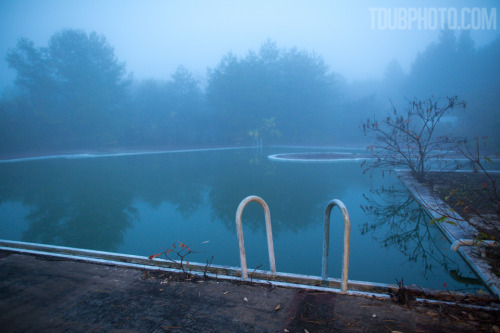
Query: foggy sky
(155, 37)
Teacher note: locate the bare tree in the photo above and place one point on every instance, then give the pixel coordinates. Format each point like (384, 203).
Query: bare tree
(409, 140)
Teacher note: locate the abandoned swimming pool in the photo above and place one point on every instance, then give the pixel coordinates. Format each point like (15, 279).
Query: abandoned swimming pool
(142, 204)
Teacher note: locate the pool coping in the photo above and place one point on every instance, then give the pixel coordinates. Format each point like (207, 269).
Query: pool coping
(219, 271)
(290, 280)
(459, 229)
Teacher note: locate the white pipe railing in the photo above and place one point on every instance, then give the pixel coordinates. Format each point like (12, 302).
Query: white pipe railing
(472, 242)
(347, 241)
(239, 229)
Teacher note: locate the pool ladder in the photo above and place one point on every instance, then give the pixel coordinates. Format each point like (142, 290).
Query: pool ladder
(269, 232)
(347, 243)
(270, 246)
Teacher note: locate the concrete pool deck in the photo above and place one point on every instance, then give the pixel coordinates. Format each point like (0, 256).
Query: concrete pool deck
(40, 293)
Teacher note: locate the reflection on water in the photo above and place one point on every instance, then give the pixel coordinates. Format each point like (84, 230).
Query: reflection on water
(399, 222)
(404, 224)
(67, 204)
(142, 204)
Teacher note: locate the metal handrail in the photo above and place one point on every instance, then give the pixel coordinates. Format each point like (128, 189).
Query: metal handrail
(326, 242)
(269, 232)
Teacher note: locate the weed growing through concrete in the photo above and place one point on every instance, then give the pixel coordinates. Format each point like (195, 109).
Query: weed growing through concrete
(176, 254)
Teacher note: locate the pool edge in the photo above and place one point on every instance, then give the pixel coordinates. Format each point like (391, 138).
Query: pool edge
(289, 280)
(461, 230)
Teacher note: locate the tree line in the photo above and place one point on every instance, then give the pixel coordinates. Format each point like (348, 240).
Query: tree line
(75, 94)
(454, 66)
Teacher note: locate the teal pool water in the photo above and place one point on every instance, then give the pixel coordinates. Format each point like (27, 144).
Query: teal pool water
(142, 204)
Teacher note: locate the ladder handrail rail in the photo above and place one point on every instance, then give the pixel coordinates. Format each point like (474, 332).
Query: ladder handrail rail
(326, 242)
(241, 243)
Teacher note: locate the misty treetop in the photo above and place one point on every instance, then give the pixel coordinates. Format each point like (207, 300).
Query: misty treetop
(294, 88)
(454, 66)
(452, 61)
(74, 62)
(451, 66)
(70, 91)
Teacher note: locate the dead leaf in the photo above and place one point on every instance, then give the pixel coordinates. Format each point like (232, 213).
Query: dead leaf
(432, 314)
(277, 307)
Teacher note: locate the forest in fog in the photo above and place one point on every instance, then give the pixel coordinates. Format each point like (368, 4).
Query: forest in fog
(74, 94)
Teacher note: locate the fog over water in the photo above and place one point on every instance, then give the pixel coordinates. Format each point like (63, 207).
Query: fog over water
(188, 73)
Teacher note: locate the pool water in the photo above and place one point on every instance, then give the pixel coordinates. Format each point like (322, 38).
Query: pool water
(142, 204)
